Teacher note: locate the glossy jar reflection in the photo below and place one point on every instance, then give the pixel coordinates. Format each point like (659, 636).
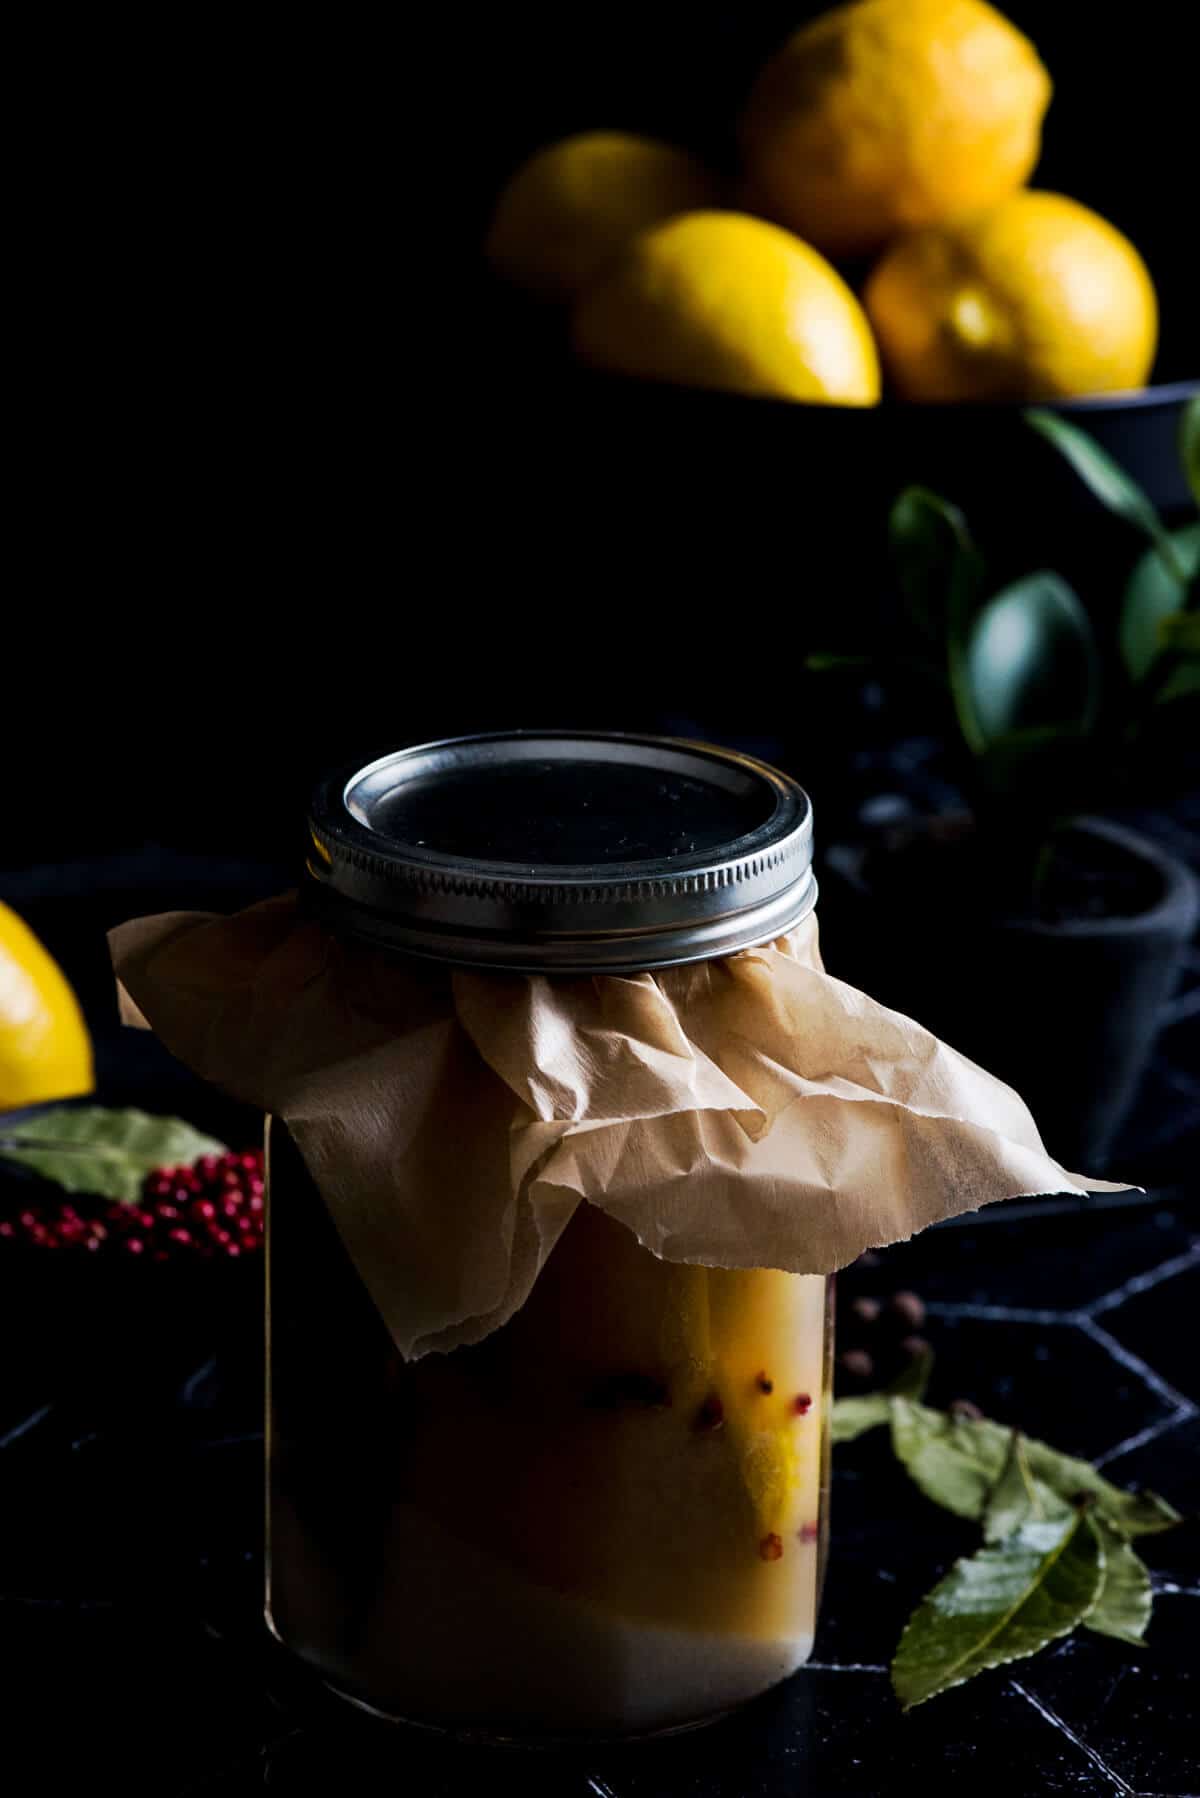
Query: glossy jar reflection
(607, 1517)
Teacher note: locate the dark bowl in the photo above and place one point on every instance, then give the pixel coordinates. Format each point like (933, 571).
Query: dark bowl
(886, 445)
(771, 513)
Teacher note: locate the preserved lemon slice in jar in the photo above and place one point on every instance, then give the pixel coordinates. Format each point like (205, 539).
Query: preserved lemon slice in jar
(649, 1435)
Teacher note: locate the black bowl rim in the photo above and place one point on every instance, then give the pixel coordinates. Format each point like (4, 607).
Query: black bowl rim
(1164, 393)
(1160, 396)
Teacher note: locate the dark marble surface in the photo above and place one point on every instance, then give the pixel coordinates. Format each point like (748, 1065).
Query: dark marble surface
(130, 1495)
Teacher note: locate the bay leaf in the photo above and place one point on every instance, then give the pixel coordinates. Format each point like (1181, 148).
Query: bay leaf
(957, 1462)
(1126, 1598)
(999, 1605)
(1017, 1497)
(913, 1380)
(1134, 1513)
(93, 1149)
(853, 1417)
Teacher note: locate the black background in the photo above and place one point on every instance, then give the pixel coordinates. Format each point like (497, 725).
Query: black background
(282, 495)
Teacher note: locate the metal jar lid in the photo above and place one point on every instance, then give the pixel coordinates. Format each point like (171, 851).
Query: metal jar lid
(562, 851)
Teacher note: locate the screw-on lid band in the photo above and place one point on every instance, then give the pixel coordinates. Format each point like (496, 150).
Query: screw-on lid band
(562, 851)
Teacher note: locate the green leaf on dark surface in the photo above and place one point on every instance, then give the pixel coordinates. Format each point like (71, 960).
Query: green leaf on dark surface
(999, 1605)
(1031, 661)
(1012, 1501)
(91, 1149)
(1118, 492)
(853, 1417)
(1135, 1513)
(1189, 444)
(1152, 594)
(1017, 1497)
(1126, 1598)
(1056, 1537)
(958, 1461)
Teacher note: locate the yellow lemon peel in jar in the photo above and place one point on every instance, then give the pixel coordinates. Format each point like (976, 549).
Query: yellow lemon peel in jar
(645, 1468)
(1037, 298)
(889, 114)
(45, 1050)
(723, 300)
(770, 1466)
(770, 1349)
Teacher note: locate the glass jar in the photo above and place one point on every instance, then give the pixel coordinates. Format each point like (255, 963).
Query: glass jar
(609, 1516)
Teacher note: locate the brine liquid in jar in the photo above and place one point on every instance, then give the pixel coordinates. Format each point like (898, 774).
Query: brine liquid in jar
(609, 1516)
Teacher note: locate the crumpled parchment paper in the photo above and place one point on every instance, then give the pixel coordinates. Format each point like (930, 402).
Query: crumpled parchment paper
(751, 1111)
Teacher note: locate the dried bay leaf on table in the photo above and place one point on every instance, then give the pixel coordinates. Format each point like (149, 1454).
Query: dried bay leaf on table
(1001, 1604)
(957, 1462)
(853, 1417)
(913, 1380)
(1134, 1513)
(1018, 1497)
(92, 1149)
(1126, 1597)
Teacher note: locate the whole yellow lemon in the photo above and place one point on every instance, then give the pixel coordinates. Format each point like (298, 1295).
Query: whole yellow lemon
(719, 299)
(889, 114)
(573, 206)
(45, 1051)
(1037, 298)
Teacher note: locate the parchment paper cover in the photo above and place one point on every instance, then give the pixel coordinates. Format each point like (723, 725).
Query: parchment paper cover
(745, 1112)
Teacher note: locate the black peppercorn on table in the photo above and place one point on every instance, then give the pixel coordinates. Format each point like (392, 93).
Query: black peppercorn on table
(131, 1554)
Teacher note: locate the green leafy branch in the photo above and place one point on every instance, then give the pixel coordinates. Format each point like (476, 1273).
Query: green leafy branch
(1056, 1541)
(1023, 666)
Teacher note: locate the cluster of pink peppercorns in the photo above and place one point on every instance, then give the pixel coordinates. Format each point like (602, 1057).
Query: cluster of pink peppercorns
(208, 1209)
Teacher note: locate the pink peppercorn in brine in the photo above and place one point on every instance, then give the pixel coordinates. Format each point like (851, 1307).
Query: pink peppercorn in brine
(568, 1129)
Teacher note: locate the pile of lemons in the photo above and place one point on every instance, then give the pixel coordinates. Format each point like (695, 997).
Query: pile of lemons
(897, 130)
